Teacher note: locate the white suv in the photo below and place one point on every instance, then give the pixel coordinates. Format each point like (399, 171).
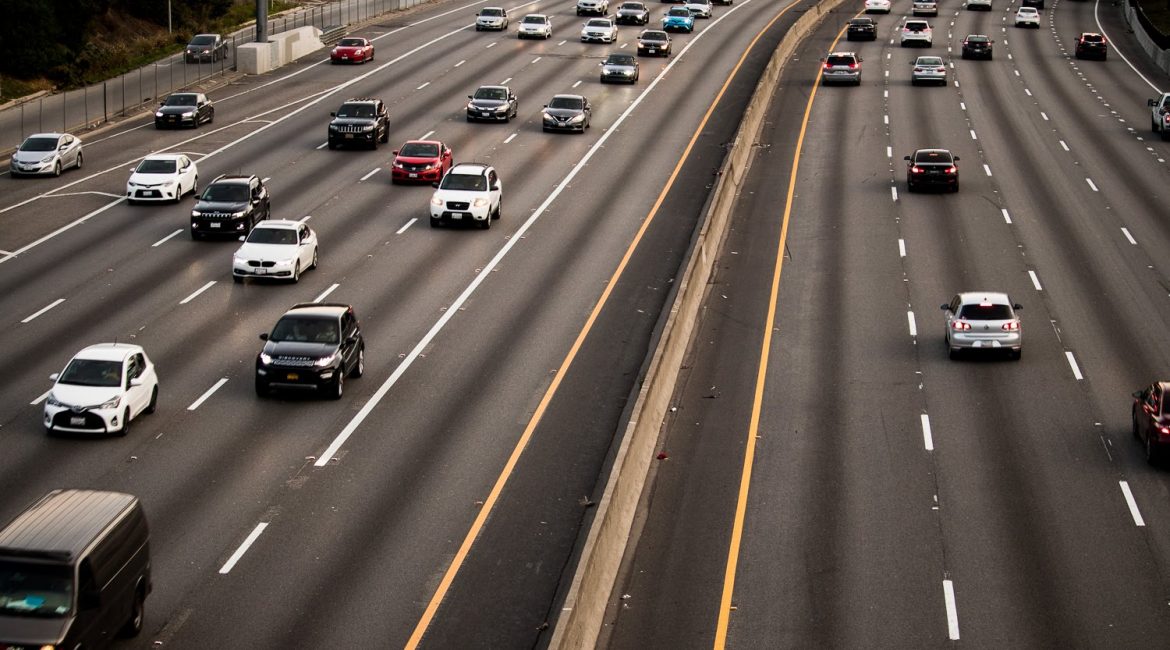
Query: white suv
(599, 7)
(470, 192)
(917, 32)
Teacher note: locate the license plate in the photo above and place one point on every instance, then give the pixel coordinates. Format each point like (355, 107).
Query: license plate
(456, 215)
(213, 224)
(76, 420)
(414, 175)
(261, 271)
(152, 193)
(349, 136)
(652, 50)
(292, 376)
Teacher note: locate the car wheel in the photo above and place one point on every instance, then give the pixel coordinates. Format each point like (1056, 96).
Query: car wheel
(80, 160)
(956, 190)
(469, 119)
(332, 145)
(953, 353)
(195, 186)
(486, 223)
(261, 388)
(211, 117)
(436, 222)
(1015, 355)
(338, 385)
(237, 279)
(133, 625)
(196, 236)
(1152, 455)
(125, 424)
(314, 264)
(909, 186)
(150, 408)
(499, 209)
(57, 168)
(386, 134)
(359, 369)
(296, 276)
(913, 81)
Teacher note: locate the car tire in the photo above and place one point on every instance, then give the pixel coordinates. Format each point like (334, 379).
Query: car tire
(1133, 424)
(485, 224)
(314, 264)
(956, 188)
(1015, 355)
(296, 276)
(359, 368)
(909, 186)
(80, 161)
(195, 236)
(57, 168)
(121, 433)
(133, 625)
(237, 279)
(499, 209)
(153, 405)
(261, 388)
(332, 145)
(436, 222)
(195, 185)
(953, 354)
(338, 386)
(1153, 455)
(386, 134)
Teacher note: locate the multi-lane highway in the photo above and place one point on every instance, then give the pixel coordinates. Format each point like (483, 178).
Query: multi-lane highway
(832, 479)
(445, 492)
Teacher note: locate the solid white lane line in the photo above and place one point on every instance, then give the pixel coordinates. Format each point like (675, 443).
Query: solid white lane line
(60, 230)
(492, 44)
(265, 179)
(952, 610)
(461, 63)
(305, 218)
(505, 82)
(1006, 217)
(913, 325)
(576, 83)
(197, 292)
(1092, 185)
(323, 145)
(510, 138)
(1117, 51)
(987, 170)
(44, 309)
(210, 391)
(1072, 362)
(1035, 280)
(1133, 508)
(894, 192)
(1063, 145)
(231, 563)
(371, 173)
(427, 135)
(406, 225)
(562, 43)
(901, 248)
(40, 399)
(423, 86)
(1128, 236)
(927, 438)
(325, 293)
(165, 239)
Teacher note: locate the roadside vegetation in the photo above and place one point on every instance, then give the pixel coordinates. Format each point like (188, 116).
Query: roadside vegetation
(64, 44)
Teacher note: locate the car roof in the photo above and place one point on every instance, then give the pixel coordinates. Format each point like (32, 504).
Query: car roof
(164, 156)
(976, 297)
(977, 36)
(63, 523)
(843, 53)
(279, 224)
(434, 142)
(108, 351)
(496, 87)
(46, 135)
(479, 169)
(318, 309)
(568, 96)
(360, 100)
(917, 22)
(545, 16)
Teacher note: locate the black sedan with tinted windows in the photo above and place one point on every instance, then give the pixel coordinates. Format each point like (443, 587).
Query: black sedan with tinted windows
(977, 46)
(184, 109)
(861, 29)
(653, 42)
(932, 168)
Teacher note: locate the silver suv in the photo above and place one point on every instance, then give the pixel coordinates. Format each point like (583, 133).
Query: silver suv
(977, 320)
(842, 67)
(599, 7)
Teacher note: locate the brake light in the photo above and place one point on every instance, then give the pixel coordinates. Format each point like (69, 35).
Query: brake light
(952, 170)
(918, 69)
(1013, 326)
(828, 65)
(960, 326)
(852, 66)
(916, 169)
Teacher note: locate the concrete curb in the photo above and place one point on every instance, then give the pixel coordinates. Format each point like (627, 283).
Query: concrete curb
(583, 614)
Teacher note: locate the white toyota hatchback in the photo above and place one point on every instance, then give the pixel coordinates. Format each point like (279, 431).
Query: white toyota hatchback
(162, 177)
(101, 390)
(280, 249)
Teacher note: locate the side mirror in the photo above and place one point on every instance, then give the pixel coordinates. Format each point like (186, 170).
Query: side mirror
(241, 238)
(395, 152)
(546, 105)
(956, 159)
(137, 381)
(905, 157)
(496, 187)
(352, 340)
(1137, 394)
(264, 336)
(1017, 306)
(132, 169)
(470, 97)
(54, 376)
(944, 306)
(1151, 102)
(435, 184)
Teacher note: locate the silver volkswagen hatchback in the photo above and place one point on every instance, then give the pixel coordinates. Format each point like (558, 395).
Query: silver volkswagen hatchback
(980, 320)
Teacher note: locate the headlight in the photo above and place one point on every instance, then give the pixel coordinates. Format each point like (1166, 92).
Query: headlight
(158, 114)
(398, 165)
(325, 361)
(111, 403)
(333, 127)
(238, 215)
(239, 259)
(49, 158)
(369, 127)
(265, 358)
(470, 106)
(576, 119)
(189, 114)
(53, 401)
(196, 213)
(502, 109)
(480, 202)
(435, 200)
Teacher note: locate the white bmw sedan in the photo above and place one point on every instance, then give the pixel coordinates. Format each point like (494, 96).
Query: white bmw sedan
(162, 177)
(279, 249)
(103, 388)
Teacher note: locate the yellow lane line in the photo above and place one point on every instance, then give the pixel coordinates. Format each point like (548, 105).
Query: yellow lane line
(502, 480)
(761, 376)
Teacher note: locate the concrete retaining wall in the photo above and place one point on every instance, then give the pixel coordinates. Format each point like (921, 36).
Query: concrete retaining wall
(1157, 55)
(282, 48)
(580, 622)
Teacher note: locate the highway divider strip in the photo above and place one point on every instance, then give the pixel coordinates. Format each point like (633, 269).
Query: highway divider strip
(583, 614)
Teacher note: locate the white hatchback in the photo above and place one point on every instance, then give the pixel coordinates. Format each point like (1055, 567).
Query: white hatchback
(162, 177)
(101, 390)
(280, 249)
(1027, 17)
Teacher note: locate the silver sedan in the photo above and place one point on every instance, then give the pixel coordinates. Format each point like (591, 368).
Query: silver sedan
(46, 153)
(980, 320)
(928, 69)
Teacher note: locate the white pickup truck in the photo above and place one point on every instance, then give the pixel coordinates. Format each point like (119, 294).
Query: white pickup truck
(1160, 115)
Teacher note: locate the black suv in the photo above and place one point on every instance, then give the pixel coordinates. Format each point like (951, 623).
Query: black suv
(1092, 45)
(313, 346)
(861, 29)
(229, 207)
(359, 121)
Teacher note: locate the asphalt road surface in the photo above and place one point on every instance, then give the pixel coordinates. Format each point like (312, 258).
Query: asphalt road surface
(889, 497)
(498, 363)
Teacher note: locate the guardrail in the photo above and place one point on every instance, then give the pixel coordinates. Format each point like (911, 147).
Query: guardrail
(583, 613)
(332, 34)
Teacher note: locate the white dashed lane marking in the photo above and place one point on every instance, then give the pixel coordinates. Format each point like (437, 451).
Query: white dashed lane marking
(326, 292)
(927, 438)
(43, 310)
(1035, 280)
(1072, 363)
(952, 610)
(251, 539)
(1133, 508)
(197, 292)
(168, 237)
(210, 391)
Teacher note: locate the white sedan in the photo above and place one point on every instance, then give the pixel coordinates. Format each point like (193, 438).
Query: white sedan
(535, 26)
(699, 8)
(162, 177)
(1027, 17)
(599, 29)
(277, 248)
(877, 6)
(103, 388)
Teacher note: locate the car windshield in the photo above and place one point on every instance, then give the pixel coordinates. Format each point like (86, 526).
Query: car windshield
(351, 42)
(355, 110)
(203, 39)
(491, 93)
(929, 60)
(654, 36)
(538, 20)
(419, 150)
(92, 372)
(573, 103)
(35, 589)
(184, 99)
(632, 6)
(491, 11)
(226, 193)
(678, 11)
(620, 59)
(861, 22)
(467, 182)
(272, 236)
(39, 144)
(985, 311)
(598, 22)
(156, 166)
(840, 60)
(299, 329)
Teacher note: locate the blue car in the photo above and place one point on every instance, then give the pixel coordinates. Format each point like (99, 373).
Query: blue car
(678, 19)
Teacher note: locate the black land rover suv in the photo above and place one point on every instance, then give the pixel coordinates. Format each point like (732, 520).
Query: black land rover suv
(229, 207)
(313, 346)
(359, 121)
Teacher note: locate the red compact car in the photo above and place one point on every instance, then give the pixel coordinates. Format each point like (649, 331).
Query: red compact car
(422, 161)
(352, 50)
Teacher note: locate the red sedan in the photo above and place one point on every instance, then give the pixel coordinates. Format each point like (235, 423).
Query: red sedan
(422, 161)
(1151, 419)
(352, 50)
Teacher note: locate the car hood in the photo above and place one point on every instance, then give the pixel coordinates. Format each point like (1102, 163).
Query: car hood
(564, 112)
(417, 160)
(352, 121)
(270, 252)
(75, 395)
(299, 349)
(348, 49)
(176, 110)
(32, 156)
(139, 178)
(617, 67)
(35, 631)
(220, 206)
(488, 103)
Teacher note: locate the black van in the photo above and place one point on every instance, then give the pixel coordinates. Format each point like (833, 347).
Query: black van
(74, 571)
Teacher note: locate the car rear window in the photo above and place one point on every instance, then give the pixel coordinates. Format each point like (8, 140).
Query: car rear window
(916, 27)
(929, 60)
(986, 312)
(935, 157)
(840, 60)
(1092, 38)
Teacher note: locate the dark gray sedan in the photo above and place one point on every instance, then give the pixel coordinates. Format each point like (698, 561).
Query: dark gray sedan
(622, 68)
(184, 109)
(567, 113)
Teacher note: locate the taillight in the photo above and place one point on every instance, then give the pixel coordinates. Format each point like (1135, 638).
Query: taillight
(852, 66)
(960, 326)
(918, 69)
(1164, 430)
(827, 66)
(915, 170)
(952, 170)
(1013, 326)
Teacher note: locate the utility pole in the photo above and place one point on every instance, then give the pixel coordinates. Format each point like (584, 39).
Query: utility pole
(169, 30)
(261, 21)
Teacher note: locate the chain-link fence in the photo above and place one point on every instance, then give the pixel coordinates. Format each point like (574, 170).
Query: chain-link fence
(85, 108)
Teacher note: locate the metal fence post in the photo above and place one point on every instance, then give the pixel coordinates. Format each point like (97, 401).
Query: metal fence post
(86, 103)
(40, 114)
(105, 103)
(64, 112)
